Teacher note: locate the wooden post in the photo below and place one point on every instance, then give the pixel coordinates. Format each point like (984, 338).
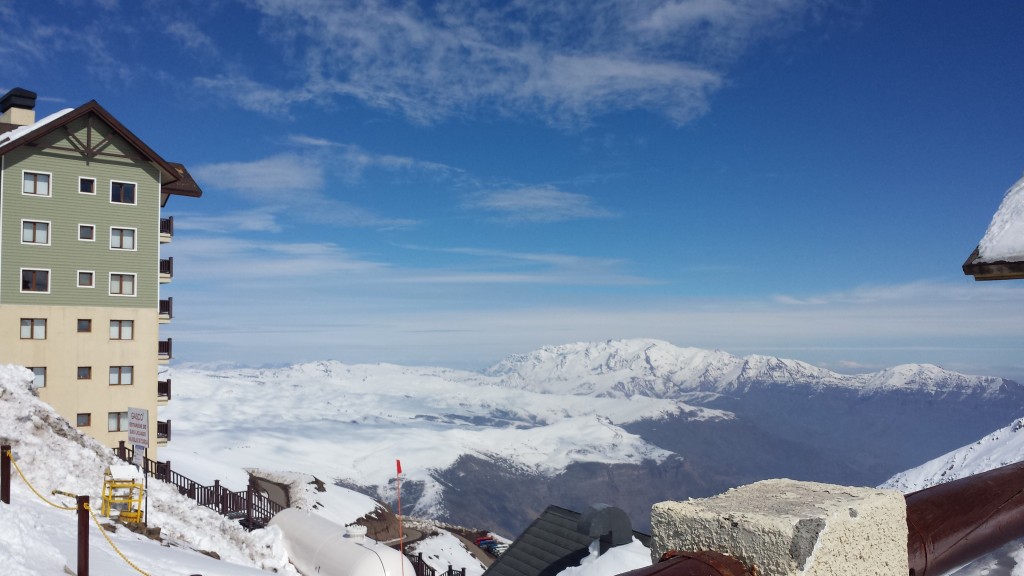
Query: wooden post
(83, 535)
(248, 505)
(5, 474)
(121, 453)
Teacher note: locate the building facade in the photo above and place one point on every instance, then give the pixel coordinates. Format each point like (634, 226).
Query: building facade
(81, 226)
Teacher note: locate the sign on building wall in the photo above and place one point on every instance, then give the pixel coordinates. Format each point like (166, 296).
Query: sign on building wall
(138, 426)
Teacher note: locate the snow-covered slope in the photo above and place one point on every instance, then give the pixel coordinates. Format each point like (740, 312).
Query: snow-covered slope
(36, 538)
(1002, 447)
(661, 370)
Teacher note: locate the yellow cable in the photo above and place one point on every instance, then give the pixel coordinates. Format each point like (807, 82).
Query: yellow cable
(111, 542)
(32, 488)
(87, 507)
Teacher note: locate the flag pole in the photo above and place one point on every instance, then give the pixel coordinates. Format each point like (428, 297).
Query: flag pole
(401, 544)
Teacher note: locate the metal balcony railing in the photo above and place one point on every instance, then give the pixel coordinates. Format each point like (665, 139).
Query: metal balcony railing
(163, 349)
(167, 308)
(163, 389)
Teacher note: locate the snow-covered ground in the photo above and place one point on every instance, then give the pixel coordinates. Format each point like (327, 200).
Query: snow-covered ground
(39, 539)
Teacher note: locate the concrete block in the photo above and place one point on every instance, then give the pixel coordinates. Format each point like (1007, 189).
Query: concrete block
(790, 528)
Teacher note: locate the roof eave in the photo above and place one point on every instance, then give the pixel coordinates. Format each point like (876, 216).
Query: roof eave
(1001, 270)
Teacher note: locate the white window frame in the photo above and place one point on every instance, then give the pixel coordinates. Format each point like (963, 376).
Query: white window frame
(121, 372)
(49, 280)
(36, 376)
(80, 226)
(122, 421)
(110, 195)
(94, 185)
(33, 329)
(135, 239)
(49, 232)
(121, 329)
(135, 284)
(78, 278)
(49, 175)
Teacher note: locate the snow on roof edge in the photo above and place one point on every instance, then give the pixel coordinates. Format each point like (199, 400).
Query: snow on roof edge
(12, 135)
(1004, 239)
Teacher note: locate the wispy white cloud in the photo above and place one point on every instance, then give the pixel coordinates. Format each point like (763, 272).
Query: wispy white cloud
(564, 61)
(250, 94)
(254, 220)
(272, 176)
(192, 37)
(292, 183)
(536, 204)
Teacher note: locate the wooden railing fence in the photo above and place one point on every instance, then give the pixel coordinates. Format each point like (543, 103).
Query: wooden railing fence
(423, 569)
(250, 507)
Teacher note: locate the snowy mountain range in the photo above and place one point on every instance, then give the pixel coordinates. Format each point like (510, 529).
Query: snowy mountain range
(657, 369)
(627, 422)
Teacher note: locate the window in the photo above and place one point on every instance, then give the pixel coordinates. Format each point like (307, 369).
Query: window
(83, 420)
(121, 329)
(85, 372)
(117, 421)
(86, 279)
(122, 238)
(36, 184)
(33, 328)
(35, 281)
(84, 325)
(87, 185)
(122, 284)
(87, 232)
(120, 375)
(122, 192)
(39, 381)
(33, 232)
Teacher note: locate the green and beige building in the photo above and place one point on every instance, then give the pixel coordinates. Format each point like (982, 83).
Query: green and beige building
(81, 228)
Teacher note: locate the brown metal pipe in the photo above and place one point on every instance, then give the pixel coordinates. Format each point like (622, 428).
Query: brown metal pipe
(5, 474)
(953, 523)
(675, 563)
(83, 535)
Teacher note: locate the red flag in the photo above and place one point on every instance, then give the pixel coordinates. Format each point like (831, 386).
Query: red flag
(398, 465)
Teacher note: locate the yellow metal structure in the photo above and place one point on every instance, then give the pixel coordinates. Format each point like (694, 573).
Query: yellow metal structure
(122, 493)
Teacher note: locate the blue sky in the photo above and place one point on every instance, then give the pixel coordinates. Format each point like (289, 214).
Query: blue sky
(451, 182)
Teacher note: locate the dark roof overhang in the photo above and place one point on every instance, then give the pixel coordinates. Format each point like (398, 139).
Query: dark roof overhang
(992, 270)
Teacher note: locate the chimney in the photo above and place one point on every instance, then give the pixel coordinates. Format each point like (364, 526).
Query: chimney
(17, 107)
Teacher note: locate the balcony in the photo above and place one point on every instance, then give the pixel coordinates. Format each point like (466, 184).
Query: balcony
(163, 391)
(163, 432)
(164, 354)
(166, 269)
(166, 229)
(166, 310)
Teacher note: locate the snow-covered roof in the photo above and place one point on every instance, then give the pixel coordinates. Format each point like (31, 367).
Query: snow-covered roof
(22, 130)
(1004, 239)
